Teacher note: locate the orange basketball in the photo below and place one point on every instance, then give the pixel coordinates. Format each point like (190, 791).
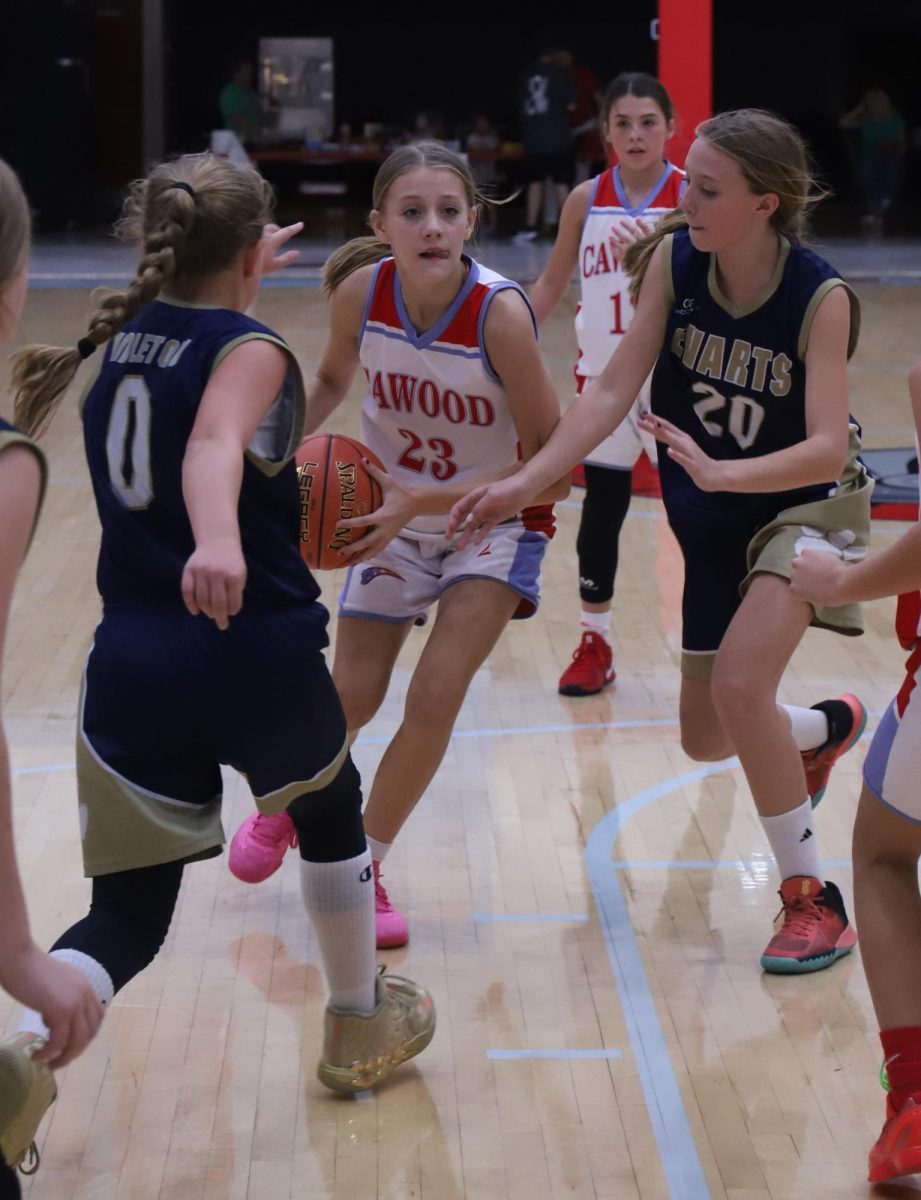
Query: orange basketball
(334, 487)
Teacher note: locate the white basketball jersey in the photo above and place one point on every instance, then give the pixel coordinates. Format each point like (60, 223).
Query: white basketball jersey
(605, 309)
(435, 409)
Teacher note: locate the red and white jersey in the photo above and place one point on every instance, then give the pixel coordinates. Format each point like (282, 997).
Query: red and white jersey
(435, 409)
(605, 308)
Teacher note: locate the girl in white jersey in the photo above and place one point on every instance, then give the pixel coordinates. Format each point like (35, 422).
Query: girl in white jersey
(637, 120)
(457, 392)
(887, 833)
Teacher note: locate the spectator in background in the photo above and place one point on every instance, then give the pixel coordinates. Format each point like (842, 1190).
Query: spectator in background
(239, 103)
(591, 155)
(880, 152)
(547, 96)
(483, 139)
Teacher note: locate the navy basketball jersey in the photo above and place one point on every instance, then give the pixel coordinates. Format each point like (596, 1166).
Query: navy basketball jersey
(137, 418)
(733, 377)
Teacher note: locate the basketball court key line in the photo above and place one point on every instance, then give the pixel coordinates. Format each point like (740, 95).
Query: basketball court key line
(706, 864)
(680, 1161)
(385, 739)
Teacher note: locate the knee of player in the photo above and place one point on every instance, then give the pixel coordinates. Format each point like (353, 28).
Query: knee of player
(328, 819)
(737, 693)
(874, 860)
(359, 706)
(434, 702)
(704, 746)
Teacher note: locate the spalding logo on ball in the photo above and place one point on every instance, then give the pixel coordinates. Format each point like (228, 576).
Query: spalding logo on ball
(334, 486)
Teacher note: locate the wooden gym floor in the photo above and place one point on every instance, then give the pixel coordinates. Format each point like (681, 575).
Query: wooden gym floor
(586, 904)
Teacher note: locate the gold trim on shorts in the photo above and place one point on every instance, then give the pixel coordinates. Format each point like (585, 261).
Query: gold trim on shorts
(847, 512)
(697, 664)
(278, 801)
(124, 827)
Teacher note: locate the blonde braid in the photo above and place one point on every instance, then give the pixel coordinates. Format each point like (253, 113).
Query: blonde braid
(41, 374)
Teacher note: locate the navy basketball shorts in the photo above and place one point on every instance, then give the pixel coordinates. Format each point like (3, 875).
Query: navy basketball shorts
(713, 544)
(168, 698)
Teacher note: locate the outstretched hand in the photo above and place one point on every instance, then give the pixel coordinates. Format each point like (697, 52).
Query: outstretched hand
(483, 508)
(274, 237)
(629, 230)
(396, 511)
(708, 473)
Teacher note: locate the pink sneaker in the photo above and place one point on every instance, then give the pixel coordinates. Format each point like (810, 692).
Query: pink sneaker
(389, 924)
(259, 845)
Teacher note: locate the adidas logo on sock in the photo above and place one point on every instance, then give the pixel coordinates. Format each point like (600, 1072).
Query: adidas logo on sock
(806, 836)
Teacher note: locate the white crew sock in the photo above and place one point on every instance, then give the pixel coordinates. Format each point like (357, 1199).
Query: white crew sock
(597, 622)
(809, 726)
(99, 980)
(340, 902)
(378, 849)
(794, 842)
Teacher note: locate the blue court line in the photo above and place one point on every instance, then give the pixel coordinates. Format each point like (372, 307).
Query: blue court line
(706, 864)
(680, 1160)
(573, 727)
(88, 281)
(526, 918)
(555, 1054)
(652, 723)
(386, 739)
(16, 771)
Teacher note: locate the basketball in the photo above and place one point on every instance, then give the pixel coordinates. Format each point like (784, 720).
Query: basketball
(334, 486)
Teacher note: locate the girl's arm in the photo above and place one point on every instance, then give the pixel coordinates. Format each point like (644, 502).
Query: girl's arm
(824, 579)
(60, 993)
(334, 375)
(515, 356)
(591, 417)
(240, 392)
(509, 338)
(555, 278)
(820, 456)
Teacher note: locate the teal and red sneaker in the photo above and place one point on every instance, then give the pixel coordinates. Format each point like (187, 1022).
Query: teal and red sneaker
(847, 719)
(815, 930)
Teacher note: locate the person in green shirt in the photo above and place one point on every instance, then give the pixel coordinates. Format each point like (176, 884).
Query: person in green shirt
(239, 104)
(880, 148)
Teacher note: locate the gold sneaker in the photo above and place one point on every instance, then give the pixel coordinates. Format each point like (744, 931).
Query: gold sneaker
(360, 1049)
(27, 1091)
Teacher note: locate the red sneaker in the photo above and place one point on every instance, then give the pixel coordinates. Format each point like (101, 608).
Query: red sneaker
(389, 924)
(260, 845)
(815, 930)
(591, 669)
(817, 764)
(898, 1148)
